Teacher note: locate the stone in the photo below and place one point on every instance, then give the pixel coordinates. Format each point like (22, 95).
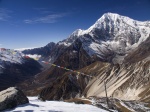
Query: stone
(11, 98)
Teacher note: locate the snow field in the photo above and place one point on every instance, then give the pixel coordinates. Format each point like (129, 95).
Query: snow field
(36, 105)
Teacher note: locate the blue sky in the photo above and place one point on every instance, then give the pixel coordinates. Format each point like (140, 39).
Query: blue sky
(35, 23)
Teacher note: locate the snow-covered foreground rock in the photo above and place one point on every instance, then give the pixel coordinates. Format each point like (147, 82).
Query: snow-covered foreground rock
(36, 105)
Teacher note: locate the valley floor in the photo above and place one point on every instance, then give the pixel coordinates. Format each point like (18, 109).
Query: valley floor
(36, 105)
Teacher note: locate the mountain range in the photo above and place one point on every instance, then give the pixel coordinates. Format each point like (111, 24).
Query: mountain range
(111, 34)
(113, 54)
(111, 41)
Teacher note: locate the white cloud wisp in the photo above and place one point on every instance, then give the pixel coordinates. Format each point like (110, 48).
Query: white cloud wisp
(52, 18)
(4, 14)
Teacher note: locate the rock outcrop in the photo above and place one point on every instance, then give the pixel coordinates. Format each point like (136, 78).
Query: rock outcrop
(11, 98)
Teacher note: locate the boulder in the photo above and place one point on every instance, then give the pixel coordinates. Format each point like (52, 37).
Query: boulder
(11, 98)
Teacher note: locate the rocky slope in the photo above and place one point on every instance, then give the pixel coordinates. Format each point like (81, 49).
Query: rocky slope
(128, 81)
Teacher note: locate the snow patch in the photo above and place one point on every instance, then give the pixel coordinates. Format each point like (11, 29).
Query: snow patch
(55, 106)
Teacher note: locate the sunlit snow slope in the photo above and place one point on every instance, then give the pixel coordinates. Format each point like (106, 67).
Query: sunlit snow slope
(54, 106)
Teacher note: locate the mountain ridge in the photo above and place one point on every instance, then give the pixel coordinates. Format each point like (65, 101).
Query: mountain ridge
(110, 34)
(105, 44)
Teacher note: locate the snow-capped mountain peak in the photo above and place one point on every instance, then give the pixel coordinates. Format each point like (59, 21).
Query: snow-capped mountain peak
(116, 20)
(113, 20)
(111, 32)
(114, 24)
(112, 16)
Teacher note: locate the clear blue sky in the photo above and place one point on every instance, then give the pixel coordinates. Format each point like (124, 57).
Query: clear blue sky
(34, 23)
